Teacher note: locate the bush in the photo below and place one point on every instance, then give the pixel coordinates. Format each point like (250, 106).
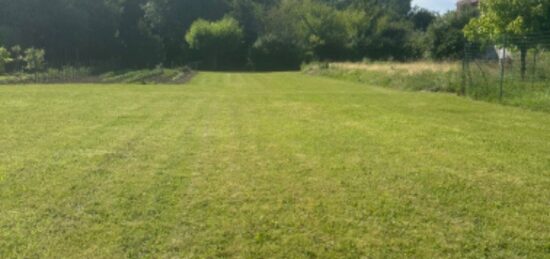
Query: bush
(446, 37)
(215, 41)
(4, 59)
(271, 53)
(391, 40)
(35, 59)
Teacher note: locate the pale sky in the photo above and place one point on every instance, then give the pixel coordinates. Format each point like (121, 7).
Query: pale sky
(440, 6)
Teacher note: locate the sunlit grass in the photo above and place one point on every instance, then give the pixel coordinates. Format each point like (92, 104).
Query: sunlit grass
(480, 82)
(410, 68)
(279, 165)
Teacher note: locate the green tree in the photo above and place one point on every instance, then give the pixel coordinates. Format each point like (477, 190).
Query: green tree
(170, 19)
(272, 53)
(215, 40)
(322, 31)
(422, 18)
(390, 39)
(34, 59)
(4, 59)
(325, 29)
(510, 20)
(17, 56)
(445, 36)
(141, 33)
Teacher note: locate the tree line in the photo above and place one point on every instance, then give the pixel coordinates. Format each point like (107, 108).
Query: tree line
(230, 34)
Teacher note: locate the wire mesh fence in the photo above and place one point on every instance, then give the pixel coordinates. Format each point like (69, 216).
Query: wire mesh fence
(511, 69)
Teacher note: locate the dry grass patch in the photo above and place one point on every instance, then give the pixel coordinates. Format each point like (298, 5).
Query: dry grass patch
(394, 67)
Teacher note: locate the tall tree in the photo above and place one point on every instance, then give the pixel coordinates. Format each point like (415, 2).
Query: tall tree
(445, 36)
(170, 19)
(511, 19)
(5, 58)
(140, 33)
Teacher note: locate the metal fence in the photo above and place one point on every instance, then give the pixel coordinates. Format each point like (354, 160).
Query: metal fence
(511, 68)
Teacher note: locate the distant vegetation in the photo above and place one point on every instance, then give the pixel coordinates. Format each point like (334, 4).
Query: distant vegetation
(227, 34)
(18, 60)
(255, 34)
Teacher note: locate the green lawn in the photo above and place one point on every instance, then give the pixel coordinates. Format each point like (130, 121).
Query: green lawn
(268, 165)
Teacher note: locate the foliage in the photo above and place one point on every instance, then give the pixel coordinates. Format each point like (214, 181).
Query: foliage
(328, 33)
(4, 59)
(422, 18)
(509, 21)
(509, 17)
(391, 40)
(215, 40)
(318, 29)
(144, 33)
(270, 52)
(17, 56)
(125, 34)
(34, 59)
(170, 19)
(445, 37)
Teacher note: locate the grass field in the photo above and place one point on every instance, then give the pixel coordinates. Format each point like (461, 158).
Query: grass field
(269, 165)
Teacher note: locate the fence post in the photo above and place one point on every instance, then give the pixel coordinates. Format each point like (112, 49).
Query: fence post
(464, 68)
(534, 76)
(502, 70)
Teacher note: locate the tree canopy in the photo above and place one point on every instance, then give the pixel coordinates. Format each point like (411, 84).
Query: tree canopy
(215, 40)
(145, 33)
(509, 17)
(4, 59)
(445, 36)
(510, 22)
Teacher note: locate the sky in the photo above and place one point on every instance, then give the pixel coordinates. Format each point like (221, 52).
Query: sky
(440, 6)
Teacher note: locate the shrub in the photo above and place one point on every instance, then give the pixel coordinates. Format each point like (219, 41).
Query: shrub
(4, 59)
(35, 59)
(271, 53)
(215, 40)
(445, 36)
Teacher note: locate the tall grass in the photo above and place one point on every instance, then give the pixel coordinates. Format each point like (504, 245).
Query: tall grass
(412, 77)
(482, 79)
(478, 80)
